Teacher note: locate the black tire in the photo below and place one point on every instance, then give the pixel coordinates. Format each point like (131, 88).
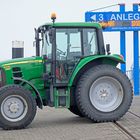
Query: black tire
(85, 89)
(16, 98)
(75, 110)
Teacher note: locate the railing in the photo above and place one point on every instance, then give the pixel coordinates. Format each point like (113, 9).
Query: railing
(129, 73)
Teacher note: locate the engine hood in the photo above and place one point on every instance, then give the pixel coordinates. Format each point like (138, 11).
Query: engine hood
(20, 61)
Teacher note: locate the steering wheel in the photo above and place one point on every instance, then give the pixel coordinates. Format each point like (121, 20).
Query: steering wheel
(60, 51)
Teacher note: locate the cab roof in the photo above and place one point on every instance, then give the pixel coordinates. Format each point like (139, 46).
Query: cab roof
(73, 24)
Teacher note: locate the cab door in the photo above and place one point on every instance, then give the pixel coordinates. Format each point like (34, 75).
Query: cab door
(68, 52)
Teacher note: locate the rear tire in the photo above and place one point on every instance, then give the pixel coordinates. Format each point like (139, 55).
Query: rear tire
(75, 110)
(104, 93)
(17, 107)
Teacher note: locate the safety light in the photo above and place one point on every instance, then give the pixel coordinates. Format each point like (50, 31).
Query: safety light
(53, 17)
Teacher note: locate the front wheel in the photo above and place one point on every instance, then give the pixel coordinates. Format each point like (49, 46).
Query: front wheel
(104, 93)
(17, 107)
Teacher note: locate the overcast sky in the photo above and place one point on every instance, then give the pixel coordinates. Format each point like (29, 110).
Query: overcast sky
(19, 17)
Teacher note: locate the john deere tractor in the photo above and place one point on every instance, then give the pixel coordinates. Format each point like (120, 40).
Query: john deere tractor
(71, 70)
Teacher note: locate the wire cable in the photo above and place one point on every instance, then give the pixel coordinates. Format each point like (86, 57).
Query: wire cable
(104, 7)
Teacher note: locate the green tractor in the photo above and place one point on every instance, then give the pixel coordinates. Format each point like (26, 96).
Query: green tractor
(71, 70)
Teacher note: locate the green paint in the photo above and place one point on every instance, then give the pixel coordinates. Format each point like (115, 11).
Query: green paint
(106, 59)
(58, 95)
(73, 24)
(32, 71)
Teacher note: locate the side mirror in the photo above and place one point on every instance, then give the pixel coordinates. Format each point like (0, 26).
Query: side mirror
(108, 49)
(51, 35)
(36, 33)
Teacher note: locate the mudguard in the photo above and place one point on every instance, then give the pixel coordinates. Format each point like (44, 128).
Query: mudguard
(35, 90)
(113, 59)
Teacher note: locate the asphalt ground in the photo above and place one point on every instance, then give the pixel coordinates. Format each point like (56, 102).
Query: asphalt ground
(61, 124)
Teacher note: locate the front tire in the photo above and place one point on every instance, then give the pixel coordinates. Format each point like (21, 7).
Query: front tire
(17, 107)
(104, 93)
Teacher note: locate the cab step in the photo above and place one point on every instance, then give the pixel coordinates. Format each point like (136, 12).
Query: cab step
(61, 98)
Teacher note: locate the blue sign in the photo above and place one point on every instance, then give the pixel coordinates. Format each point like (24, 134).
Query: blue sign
(115, 21)
(112, 16)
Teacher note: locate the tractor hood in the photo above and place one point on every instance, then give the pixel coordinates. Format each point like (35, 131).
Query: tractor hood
(20, 61)
(25, 68)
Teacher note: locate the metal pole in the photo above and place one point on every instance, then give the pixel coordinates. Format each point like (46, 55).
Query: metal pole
(122, 42)
(136, 57)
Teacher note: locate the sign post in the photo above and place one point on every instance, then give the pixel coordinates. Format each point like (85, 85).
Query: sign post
(122, 42)
(122, 21)
(136, 57)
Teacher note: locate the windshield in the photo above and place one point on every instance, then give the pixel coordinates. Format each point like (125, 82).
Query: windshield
(71, 43)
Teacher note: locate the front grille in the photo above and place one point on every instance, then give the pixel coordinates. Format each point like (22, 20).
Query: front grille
(2, 77)
(17, 72)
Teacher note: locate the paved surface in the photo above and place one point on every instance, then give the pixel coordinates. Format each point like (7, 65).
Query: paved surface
(60, 124)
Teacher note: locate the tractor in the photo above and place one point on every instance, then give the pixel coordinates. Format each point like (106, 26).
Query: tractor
(72, 69)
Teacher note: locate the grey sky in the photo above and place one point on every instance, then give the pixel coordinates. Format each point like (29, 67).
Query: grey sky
(19, 17)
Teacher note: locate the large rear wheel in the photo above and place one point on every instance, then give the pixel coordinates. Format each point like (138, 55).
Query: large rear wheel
(74, 109)
(17, 107)
(104, 93)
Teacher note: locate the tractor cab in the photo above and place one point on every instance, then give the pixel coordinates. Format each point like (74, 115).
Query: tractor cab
(64, 45)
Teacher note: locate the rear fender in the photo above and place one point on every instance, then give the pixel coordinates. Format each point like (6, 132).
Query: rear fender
(90, 61)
